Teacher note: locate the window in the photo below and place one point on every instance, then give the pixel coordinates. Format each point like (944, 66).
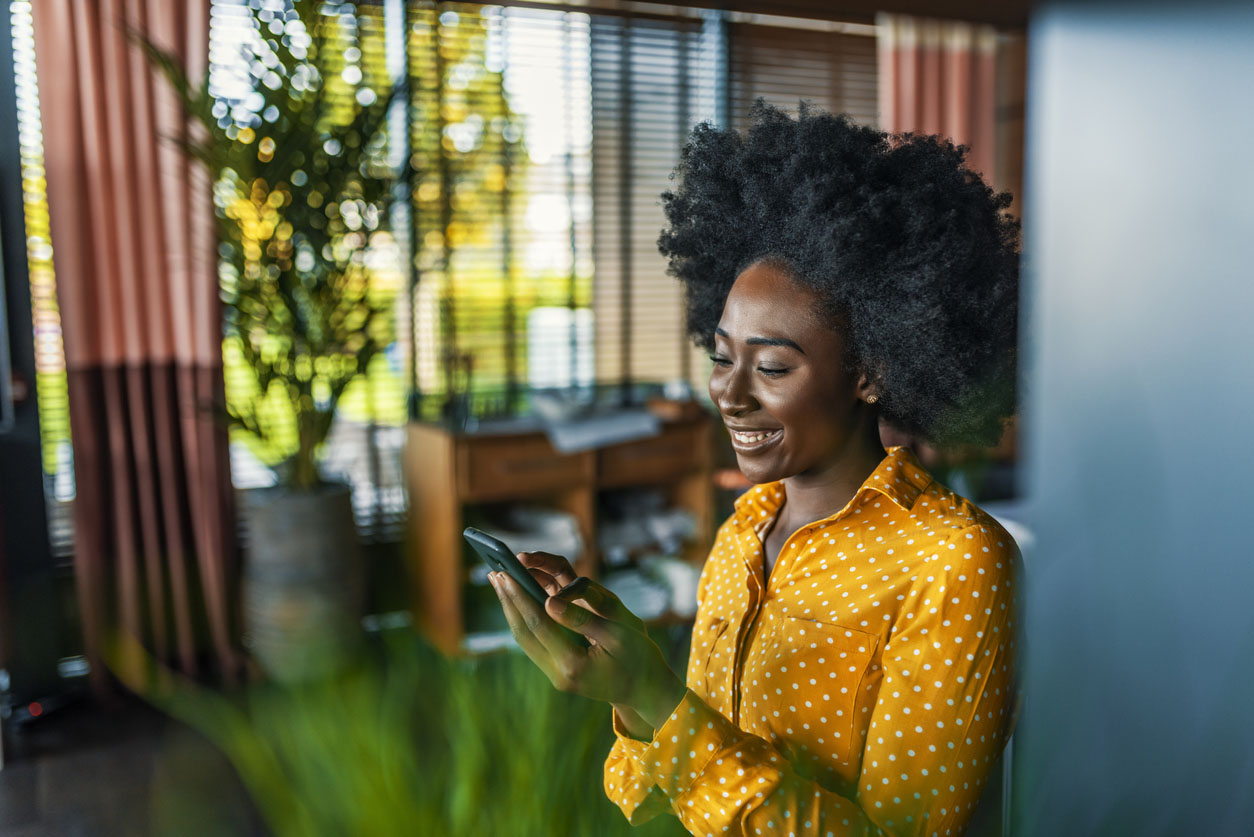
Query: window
(535, 143)
(500, 173)
(652, 80)
(51, 383)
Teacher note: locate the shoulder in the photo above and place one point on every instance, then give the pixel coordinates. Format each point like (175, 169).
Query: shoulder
(967, 538)
(948, 513)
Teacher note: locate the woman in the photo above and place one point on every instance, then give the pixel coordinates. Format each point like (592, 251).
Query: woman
(852, 661)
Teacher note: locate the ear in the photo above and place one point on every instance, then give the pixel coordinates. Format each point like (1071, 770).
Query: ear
(866, 388)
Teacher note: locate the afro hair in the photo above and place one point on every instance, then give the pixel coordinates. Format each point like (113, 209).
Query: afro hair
(915, 256)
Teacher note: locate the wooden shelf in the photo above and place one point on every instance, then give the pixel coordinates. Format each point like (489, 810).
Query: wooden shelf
(445, 472)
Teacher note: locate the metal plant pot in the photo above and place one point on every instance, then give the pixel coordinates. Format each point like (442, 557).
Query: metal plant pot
(302, 581)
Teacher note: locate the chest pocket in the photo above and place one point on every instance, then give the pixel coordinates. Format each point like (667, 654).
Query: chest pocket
(814, 686)
(710, 667)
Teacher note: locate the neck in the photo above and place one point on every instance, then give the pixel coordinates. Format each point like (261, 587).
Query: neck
(814, 495)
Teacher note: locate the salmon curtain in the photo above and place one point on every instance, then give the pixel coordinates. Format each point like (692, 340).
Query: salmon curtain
(133, 248)
(939, 77)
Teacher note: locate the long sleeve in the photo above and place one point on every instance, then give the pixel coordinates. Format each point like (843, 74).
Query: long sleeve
(946, 706)
(941, 718)
(627, 784)
(723, 780)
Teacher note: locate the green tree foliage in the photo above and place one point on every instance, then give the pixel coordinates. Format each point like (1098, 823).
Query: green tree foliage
(470, 160)
(302, 184)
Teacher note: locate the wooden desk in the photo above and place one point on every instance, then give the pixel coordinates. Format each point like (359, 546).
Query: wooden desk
(445, 472)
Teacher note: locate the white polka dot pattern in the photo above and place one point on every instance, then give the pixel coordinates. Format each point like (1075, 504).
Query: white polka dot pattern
(867, 688)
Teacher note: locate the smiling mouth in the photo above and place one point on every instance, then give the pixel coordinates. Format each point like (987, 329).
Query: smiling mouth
(754, 440)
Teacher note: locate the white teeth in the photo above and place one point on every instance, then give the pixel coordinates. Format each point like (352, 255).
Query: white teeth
(750, 438)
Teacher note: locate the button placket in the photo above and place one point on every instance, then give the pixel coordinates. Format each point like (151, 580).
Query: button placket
(753, 607)
(757, 599)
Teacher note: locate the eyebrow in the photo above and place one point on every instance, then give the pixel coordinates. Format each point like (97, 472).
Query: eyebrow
(764, 341)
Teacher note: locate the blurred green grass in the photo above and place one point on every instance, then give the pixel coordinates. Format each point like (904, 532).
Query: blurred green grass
(412, 742)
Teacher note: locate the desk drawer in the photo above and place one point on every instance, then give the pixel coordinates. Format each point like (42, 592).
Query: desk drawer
(679, 448)
(510, 467)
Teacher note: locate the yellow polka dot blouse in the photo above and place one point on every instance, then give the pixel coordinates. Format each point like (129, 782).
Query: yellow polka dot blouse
(866, 688)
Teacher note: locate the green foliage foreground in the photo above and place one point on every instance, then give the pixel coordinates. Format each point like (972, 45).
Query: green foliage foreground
(411, 742)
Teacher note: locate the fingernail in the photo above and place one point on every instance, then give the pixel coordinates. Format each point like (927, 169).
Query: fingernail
(561, 606)
(492, 579)
(575, 589)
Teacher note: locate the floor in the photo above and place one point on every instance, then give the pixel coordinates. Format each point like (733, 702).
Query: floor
(122, 769)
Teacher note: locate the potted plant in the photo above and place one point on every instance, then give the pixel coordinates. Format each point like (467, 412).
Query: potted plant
(301, 188)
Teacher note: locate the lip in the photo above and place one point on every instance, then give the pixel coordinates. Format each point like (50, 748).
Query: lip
(754, 447)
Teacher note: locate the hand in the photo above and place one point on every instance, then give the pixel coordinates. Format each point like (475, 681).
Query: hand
(622, 665)
(553, 572)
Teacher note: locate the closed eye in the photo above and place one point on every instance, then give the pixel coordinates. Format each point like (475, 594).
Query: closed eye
(765, 370)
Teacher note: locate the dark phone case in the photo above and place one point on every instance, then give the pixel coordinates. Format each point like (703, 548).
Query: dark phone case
(498, 558)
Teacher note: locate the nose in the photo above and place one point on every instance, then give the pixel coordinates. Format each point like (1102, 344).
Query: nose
(730, 391)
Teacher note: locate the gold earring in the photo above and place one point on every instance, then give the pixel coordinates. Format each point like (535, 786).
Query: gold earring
(871, 399)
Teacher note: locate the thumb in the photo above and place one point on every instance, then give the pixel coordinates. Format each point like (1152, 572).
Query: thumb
(583, 621)
(603, 602)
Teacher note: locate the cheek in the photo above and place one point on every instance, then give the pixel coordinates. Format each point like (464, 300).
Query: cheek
(813, 414)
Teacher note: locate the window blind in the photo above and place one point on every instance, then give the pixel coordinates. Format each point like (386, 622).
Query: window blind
(652, 80)
(51, 382)
(783, 60)
(500, 169)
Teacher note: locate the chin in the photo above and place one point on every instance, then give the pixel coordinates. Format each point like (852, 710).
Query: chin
(760, 472)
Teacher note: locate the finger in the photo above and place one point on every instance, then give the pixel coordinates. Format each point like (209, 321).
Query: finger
(581, 620)
(554, 565)
(556, 644)
(548, 582)
(594, 597)
(600, 600)
(522, 632)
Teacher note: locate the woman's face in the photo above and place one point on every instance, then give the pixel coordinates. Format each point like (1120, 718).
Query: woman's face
(779, 378)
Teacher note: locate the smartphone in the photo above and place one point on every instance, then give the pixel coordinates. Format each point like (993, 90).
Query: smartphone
(498, 557)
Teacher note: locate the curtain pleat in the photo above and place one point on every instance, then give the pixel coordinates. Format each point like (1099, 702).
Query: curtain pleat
(938, 77)
(132, 234)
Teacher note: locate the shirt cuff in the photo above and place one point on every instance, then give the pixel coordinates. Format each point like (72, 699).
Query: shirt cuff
(685, 744)
(626, 783)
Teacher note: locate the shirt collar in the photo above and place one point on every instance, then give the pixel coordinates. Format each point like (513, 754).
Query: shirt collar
(899, 477)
